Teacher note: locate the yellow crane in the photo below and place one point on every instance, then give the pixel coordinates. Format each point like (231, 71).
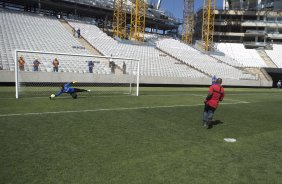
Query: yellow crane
(208, 24)
(119, 19)
(138, 20)
(188, 21)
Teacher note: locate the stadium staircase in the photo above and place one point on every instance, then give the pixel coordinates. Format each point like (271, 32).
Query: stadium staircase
(89, 47)
(260, 72)
(268, 61)
(202, 61)
(180, 61)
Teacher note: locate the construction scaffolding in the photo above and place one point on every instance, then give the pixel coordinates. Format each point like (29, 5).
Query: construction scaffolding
(138, 18)
(119, 19)
(188, 21)
(208, 24)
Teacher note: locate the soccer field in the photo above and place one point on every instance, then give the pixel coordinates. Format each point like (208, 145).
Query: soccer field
(155, 138)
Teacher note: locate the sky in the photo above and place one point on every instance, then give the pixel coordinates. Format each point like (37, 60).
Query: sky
(175, 6)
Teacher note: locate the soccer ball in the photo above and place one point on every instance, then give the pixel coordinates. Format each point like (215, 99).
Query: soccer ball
(52, 96)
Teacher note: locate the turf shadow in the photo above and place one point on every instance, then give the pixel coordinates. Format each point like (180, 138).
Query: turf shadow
(215, 123)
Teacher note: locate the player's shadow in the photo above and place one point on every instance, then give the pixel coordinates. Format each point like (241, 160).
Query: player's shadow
(215, 123)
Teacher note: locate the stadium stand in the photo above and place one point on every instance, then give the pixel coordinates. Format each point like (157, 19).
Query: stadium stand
(228, 60)
(26, 31)
(153, 62)
(163, 60)
(152, 38)
(276, 54)
(246, 57)
(201, 61)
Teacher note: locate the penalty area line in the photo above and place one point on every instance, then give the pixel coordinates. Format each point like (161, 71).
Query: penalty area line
(113, 109)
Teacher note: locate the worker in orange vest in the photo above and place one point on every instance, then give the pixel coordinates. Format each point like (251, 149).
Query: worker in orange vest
(21, 63)
(56, 65)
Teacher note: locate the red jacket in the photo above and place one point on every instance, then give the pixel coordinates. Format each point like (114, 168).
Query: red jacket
(217, 93)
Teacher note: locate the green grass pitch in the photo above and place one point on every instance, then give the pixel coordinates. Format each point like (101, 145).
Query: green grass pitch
(156, 138)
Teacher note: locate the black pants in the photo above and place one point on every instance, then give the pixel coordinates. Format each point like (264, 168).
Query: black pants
(79, 90)
(209, 108)
(90, 70)
(55, 69)
(208, 114)
(74, 95)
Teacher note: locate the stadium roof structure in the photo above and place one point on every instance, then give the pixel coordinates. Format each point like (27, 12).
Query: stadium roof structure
(252, 4)
(259, 27)
(97, 8)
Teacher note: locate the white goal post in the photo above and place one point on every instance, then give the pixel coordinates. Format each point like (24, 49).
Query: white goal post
(110, 74)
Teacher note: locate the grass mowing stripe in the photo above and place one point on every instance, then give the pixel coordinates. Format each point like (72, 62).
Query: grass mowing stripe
(114, 109)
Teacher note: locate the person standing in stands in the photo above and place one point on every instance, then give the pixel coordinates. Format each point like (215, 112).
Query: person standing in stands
(56, 65)
(213, 79)
(279, 84)
(124, 68)
(21, 62)
(113, 67)
(36, 65)
(73, 32)
(111, 61)
(215, 95)
(90, 66)
(78, 33)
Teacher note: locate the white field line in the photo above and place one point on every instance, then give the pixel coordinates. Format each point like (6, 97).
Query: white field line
(99, 96)
(118, 96)
(115, 96)
(198, 95)
(228, 99)
(251, 94)
(113, 109)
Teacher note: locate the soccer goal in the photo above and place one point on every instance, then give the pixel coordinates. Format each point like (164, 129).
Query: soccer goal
(109, 76)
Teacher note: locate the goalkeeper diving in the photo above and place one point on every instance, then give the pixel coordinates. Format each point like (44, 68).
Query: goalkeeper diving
(66, 88)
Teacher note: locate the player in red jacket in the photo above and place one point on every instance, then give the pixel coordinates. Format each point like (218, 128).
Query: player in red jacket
(215, 95)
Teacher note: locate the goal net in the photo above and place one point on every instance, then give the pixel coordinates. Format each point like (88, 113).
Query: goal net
(43, 74)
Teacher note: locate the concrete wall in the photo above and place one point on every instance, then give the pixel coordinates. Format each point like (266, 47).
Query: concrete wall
(8, 76)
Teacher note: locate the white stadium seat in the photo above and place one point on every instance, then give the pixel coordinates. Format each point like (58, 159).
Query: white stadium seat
(26, 31)
(153, 62)
(201, 61)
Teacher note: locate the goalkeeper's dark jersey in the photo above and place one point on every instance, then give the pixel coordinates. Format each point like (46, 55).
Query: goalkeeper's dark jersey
(66, 89)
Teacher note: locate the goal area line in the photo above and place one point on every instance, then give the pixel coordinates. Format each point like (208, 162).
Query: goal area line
(113, 109)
